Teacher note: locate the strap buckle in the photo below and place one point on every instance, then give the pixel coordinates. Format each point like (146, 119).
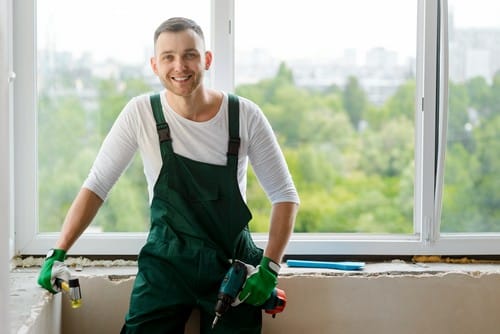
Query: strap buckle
(233, 146)
(163, 132)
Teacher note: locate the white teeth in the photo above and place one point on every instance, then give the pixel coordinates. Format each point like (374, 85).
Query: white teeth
(180, 78)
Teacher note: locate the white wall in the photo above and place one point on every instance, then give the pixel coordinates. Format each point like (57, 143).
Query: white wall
(5, 163)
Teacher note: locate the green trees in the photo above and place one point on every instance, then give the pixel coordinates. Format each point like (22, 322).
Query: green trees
(64, 156)
(471, 199)
(71, 130)
(126, 209)
(360, 179)
(350, 178)
(354, 100)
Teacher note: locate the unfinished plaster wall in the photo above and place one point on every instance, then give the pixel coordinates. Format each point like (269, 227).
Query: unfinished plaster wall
(31, 310)
(450, 303)
(325, 302)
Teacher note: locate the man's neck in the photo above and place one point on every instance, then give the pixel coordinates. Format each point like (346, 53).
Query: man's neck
(199, 107)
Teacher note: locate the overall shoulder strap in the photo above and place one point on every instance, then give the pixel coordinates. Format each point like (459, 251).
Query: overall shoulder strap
(161, 126)
(155, 100)
(234, 126)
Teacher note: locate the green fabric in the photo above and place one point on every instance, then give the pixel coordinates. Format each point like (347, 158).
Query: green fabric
(259, 285)
(198, 224)
(45, 276)
(265, 263)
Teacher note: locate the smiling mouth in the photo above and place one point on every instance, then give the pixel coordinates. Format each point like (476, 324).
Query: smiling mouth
(181, 79)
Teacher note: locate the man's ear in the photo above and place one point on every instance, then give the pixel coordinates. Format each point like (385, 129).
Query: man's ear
(208, 59)
(152, 62)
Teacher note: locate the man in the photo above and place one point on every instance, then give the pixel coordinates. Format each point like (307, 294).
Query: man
(195, 144)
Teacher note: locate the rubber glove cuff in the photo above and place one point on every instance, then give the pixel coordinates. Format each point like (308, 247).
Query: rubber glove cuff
(53, 268)
(270, 265)
(260, 283)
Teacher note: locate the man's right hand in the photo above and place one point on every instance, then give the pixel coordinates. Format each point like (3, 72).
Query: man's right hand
(53, 268)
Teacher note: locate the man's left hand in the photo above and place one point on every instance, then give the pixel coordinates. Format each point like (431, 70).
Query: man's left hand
(260, 283)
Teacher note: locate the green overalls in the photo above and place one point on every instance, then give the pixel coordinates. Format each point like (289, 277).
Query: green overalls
(199, 222)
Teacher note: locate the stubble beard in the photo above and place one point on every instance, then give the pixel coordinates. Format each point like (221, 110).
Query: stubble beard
(172, 86)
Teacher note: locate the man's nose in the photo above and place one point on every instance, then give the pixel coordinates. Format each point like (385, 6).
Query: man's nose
(179, 64)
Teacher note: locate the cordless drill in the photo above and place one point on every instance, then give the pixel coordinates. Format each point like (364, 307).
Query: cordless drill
(231, 286)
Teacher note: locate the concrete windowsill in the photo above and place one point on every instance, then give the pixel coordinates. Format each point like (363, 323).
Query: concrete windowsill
(27, 300)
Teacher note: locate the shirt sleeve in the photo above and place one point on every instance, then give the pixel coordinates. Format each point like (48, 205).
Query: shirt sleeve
(268, 161)
(115, 154)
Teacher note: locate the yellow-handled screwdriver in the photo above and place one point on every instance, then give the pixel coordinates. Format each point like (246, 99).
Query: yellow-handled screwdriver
(72, 287)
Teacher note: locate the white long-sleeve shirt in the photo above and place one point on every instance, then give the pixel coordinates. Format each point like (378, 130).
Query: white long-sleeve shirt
(135, 129)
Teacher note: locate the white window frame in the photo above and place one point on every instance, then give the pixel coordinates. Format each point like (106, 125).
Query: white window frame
(6, 153)
(432, 59)
(7, 76)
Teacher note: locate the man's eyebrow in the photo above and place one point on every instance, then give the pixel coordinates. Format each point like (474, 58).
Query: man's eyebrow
(185, 51)
(166, 52)
(191, 50)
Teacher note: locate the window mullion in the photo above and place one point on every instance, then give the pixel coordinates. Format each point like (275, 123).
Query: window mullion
(6, 132)
(442, 111)
(7, 170)
(419, 99)
(25, 130)
(426, 127)
(223, 44)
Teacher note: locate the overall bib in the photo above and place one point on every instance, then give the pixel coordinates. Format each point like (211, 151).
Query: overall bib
(199, 222)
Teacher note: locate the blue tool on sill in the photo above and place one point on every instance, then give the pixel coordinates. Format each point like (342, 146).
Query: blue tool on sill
(329, 265)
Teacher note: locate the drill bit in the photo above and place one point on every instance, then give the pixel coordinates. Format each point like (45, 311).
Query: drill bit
(216, 319)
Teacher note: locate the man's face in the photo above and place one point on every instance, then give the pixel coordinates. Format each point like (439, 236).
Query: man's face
(180, 60)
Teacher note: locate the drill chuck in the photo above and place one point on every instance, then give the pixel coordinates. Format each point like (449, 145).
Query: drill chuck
(223, 303)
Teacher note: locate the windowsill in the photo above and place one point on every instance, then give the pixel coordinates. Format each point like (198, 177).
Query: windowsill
(27, 300)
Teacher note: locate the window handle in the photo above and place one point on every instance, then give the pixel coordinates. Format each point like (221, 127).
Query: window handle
(12, 77)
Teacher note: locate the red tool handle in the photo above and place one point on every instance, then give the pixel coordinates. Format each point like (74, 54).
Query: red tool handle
(279, 303)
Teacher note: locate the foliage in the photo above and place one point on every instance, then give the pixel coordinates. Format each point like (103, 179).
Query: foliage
(352, 161)
(355, 101)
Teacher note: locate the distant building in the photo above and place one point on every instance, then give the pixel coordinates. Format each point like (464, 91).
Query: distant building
(474, 52)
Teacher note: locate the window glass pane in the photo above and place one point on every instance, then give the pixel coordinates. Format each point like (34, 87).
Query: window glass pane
(471, 198)
(337, 81)
(93, 56)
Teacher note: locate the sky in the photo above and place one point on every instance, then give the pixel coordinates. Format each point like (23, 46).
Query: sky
(110, 28)
(123, 29)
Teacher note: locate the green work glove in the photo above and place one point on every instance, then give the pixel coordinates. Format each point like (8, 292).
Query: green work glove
(260, 283)
(53, 268)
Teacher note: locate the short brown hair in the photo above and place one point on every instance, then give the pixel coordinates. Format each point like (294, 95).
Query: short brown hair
(176, 24)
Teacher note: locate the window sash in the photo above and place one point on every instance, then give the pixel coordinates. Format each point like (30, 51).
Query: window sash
(431, 78)
(6, 144)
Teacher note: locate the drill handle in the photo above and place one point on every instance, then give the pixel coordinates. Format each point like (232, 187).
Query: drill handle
(62, 284)
(276, 303)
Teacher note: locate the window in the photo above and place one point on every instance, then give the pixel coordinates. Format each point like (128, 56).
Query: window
(85, 76)
(471, 201)
(81, 77)
(346, 119)
(359, 104)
